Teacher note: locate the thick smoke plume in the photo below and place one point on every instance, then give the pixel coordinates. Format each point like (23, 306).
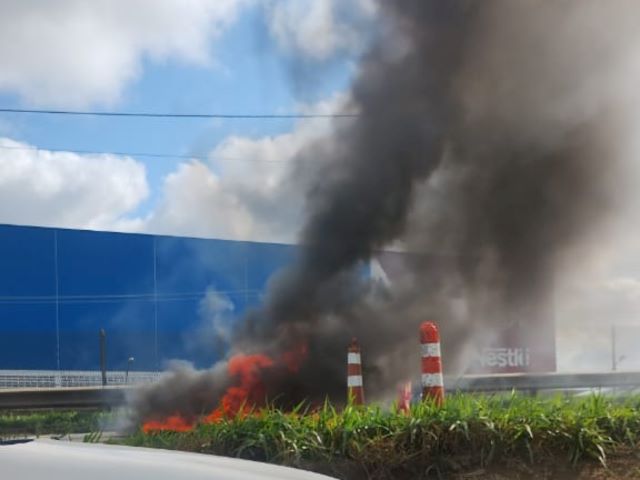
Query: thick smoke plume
(184, 391)
(490, 133)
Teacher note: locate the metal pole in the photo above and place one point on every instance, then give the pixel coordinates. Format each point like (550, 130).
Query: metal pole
(126, 376)
(103, 356)
(614, 360)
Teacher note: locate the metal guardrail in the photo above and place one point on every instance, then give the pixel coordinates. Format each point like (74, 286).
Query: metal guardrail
(73, 378)
(111, 396)
(542, 381)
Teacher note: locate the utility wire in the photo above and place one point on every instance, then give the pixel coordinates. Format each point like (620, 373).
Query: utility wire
(136, 154)
(108, 298)
(268, 116)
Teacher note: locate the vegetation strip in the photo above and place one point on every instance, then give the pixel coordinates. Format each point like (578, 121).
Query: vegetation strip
(14, 424)
(469, 433)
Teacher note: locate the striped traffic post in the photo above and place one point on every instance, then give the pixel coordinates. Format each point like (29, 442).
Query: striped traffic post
(355, 390)
(432, 381)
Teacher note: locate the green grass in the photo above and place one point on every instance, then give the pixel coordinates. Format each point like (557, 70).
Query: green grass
(14, 424)
(469, 432)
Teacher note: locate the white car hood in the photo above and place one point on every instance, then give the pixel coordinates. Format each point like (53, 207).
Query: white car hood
(55, 459)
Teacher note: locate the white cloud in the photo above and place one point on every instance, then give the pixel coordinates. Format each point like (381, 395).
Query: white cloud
(319, 29)
(244, 192)
(70, 53)
(248, 190)
(197, 202)
(75, 53)
(39, 187)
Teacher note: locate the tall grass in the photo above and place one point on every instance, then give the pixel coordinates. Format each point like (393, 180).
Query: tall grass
(469, 432)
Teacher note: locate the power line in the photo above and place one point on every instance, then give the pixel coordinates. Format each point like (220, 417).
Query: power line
(268, 116)
(135, 154)
(109, 298)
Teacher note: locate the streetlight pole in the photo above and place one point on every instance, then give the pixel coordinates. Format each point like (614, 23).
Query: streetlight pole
(103, 356)
(130, 360)
(614, 358)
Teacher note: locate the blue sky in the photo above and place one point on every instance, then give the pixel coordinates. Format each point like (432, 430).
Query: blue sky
(203, 56)
(249, 73)
(208, 56)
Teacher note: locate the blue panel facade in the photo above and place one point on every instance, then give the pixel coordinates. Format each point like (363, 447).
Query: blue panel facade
(104, 264)
(28, 335)
(27, 262)
(130, 331)
(158, 298)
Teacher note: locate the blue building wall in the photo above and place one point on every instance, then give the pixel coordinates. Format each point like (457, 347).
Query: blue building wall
(158, 298)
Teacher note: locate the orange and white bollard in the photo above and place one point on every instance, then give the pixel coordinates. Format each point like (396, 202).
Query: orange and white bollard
(432, 380)
(355, 390)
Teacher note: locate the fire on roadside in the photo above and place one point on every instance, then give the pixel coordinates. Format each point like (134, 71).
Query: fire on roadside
(247, 394)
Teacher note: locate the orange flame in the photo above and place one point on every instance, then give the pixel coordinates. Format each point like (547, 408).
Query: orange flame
(251, 393)
(404, 397)
(248, 393)
(174, 423)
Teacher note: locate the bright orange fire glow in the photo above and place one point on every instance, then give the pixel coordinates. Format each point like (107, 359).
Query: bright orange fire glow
(251, 391)
(247, 394)
(174, 423)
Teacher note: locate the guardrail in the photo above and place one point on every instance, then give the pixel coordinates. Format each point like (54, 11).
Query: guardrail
(72, 378)
(113, 396)
(542, 381)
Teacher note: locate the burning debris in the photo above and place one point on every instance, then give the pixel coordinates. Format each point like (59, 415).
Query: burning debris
(217, 394)
(488, 129)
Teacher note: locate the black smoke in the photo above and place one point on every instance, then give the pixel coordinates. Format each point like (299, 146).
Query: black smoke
(487, 144)
(183, 391)
(360, 199)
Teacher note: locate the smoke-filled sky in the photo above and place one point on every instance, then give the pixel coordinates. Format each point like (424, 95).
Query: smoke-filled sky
(497, 130)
